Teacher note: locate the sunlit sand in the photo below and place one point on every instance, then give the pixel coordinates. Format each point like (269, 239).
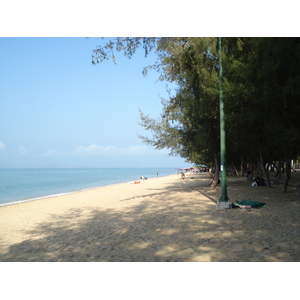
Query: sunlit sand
(159, 220)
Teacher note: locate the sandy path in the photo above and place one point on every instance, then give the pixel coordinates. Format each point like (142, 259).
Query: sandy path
(162, 219)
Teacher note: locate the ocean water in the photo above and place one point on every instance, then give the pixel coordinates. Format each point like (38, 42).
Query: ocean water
(19, 185)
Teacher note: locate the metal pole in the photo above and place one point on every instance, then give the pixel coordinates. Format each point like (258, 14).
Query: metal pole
(222, 203)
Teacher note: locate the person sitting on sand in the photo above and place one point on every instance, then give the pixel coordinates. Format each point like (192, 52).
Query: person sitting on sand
(258, 181)
(254, 183)
(262, 182)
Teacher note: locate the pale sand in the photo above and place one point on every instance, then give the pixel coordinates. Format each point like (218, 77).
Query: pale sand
(161, 219)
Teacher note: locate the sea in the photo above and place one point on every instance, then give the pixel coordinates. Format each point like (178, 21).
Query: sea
(21, 185)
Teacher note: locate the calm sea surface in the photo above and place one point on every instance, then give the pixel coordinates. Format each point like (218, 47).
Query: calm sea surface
(18, 185)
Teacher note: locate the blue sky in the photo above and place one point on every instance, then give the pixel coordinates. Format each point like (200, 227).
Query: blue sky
(59, 110)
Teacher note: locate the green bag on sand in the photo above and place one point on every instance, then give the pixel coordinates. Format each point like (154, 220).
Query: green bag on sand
(253, 204)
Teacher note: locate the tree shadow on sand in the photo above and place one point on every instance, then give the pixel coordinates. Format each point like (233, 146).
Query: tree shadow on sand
(166, 225)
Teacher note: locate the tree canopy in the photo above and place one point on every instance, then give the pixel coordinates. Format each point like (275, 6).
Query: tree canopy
(261, 94)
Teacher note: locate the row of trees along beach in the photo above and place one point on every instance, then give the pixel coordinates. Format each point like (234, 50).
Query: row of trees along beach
(261, 80)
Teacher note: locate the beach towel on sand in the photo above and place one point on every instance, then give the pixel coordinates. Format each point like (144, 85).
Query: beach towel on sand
(253, 204)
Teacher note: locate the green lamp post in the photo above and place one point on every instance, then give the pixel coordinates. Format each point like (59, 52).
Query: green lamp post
(223, 201)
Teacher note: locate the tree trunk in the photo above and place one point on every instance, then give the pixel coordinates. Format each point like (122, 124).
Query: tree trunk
(260, 171)
(251, 169)
(273, 167)
(217, 172)
(279, 169)
(263, 168)
(211, 172)
(293, 165)
(287, 175)
(242, 168)
(235, 170)
(268, 175)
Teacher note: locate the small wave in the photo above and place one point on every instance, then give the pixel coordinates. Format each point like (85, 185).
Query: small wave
(34, 199)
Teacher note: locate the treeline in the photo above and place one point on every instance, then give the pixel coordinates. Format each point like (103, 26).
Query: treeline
(261, 90)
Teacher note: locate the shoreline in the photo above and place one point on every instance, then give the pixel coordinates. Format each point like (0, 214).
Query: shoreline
(14, 202)
(163, 220)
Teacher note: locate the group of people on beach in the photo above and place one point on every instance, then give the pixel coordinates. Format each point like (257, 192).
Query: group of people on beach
(142, 177)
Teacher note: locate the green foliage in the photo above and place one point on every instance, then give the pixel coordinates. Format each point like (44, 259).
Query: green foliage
(190, 118)
(261, 81)
(127, 45)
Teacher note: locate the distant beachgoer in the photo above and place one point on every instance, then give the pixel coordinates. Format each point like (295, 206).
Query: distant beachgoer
(182, 175)
(143, 177)
(156, 174)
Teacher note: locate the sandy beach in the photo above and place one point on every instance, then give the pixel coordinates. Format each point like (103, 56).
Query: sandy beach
(159, 220)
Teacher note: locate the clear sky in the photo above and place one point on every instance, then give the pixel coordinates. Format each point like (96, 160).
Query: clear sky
(59, 110)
